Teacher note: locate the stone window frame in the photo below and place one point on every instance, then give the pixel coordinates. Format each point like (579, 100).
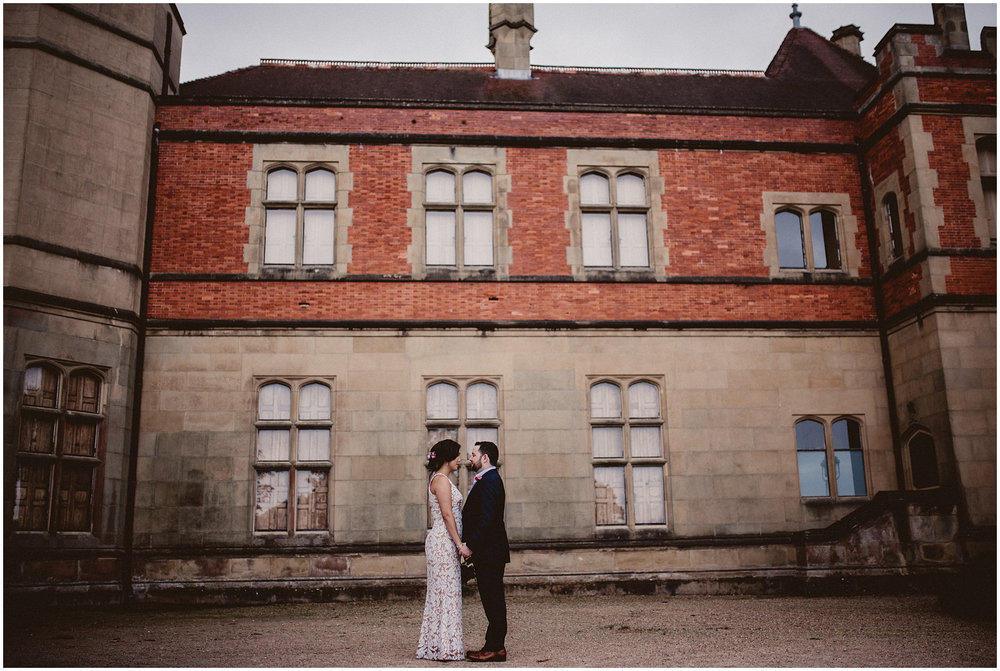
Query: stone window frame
(806, 203)
(611, 163)
(910, 446)
(301, 158)
(627, 461)
(295, 383)
(459, 160)
(975, 129)
(890, 186)
(457, 429)
(61, 416)
(827, 421)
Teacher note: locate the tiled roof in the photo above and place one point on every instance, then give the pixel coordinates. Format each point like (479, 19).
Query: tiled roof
(808, 75)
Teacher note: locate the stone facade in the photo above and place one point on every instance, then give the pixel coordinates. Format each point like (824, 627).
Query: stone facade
(712, 356)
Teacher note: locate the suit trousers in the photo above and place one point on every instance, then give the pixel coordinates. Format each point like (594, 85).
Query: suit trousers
(489, 578)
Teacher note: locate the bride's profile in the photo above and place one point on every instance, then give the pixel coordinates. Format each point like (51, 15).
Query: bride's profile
(441, 629)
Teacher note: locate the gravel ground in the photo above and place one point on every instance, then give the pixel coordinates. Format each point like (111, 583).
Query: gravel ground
(548, 631)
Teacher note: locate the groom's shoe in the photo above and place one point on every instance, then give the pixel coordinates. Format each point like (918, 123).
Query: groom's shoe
(487, 655)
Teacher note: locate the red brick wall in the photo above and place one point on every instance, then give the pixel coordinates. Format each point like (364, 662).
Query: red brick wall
(379, 235)
(201, 201)
(503, 301)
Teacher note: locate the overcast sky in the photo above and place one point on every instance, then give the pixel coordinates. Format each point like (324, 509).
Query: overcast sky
(227, 36)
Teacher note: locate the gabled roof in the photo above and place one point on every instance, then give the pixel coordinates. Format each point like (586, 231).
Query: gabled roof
(809, 75)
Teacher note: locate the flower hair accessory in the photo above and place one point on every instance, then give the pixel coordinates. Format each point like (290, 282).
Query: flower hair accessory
(431, 455)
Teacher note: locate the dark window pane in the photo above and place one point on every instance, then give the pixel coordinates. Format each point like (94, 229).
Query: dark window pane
(81, 439)
(923, 462)
(73, 504)
(826, 246)
(809, 435)
(31, 496)
(84, 392)
(38, 434)
(788, 227)
(895, 231)
(846, 435)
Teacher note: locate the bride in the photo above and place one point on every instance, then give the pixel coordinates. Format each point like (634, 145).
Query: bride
(441, 630)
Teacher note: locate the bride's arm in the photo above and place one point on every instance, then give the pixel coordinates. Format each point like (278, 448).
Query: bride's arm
(442, 490)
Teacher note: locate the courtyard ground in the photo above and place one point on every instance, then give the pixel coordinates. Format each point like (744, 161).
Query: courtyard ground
(547, 631)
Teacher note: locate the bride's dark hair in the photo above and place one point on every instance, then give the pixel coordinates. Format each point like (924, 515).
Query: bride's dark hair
(442, 452)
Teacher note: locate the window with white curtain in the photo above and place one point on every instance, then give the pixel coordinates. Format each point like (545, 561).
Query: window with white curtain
(463, 409)
(613, 213)
(293, 456)
(626, 425)
(300, 215)
(459, 212)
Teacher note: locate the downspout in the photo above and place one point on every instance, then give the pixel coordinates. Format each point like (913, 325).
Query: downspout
(140, 364)
(867, 189)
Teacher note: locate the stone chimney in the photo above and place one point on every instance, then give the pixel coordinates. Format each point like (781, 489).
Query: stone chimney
(511, 28)
(950, 18)
(849, 39)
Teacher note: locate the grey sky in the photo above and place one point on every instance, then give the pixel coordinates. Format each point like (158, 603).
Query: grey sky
(227, 36)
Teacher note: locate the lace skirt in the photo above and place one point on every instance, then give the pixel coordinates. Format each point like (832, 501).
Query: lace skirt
(441, 629)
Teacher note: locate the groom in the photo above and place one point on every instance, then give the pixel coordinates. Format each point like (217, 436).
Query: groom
(484, 533)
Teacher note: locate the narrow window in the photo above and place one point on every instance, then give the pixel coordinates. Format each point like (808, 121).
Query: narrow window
(300, 217)
(923, 461)
(986, 149)
(627, 446)
(614, 213)
(58, 449)
(831, 458)
(891, 209)
(791, 251)
(825, 241)
(293, 460)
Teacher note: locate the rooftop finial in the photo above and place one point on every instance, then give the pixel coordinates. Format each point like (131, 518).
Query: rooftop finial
(794, 16)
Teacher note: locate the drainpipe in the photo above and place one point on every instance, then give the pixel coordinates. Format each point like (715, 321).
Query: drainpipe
(867, 189)
(140, 363)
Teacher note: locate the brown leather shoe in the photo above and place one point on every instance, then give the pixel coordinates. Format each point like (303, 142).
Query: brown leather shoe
(487, 655)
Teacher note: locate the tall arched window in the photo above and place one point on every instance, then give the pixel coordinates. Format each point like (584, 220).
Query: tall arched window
(628, 456)
(614, 213)
(59, 449)
(300, 214)
(922, 461)
(459, 210)
(293, 457)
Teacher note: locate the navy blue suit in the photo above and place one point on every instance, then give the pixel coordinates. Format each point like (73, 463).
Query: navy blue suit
(484, 532)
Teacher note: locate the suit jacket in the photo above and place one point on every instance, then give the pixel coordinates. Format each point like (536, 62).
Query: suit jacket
(482, 520)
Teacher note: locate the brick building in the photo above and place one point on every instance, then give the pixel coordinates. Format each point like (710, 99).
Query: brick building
(733, 331)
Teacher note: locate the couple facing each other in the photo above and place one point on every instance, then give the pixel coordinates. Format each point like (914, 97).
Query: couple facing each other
(475, 531)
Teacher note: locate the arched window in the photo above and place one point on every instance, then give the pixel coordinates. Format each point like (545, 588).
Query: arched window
(808, 240)
(293, 457)
(300, 217)
(922, 458)
(614, 215)
(59, 448)
(830, 457)
(626, 439)
(459, 213)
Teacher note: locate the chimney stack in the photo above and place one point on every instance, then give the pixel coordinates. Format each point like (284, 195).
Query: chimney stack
(511, 28)
(849, 39)
(950, 18)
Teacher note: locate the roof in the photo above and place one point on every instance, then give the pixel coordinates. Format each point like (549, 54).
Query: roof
(808, 75)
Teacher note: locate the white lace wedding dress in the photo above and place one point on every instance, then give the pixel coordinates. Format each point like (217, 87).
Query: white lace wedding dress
(441, 630)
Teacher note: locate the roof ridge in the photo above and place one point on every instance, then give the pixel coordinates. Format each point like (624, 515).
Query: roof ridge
(489, 66)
